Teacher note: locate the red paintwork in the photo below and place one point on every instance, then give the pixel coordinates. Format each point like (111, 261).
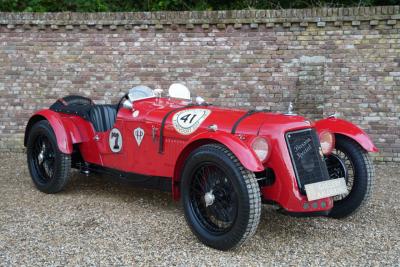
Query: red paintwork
(343, 127)
(145, 159)
(63, 135)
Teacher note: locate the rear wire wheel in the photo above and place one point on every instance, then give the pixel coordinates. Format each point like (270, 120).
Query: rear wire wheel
(49, 168)
(221, 199)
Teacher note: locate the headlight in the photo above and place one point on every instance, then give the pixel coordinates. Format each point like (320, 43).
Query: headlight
(261, 148)
(327, 140)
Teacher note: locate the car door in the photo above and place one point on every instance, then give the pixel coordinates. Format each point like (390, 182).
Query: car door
(112, 146)
(143, 143)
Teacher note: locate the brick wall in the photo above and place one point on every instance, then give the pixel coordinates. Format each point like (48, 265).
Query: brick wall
(325, 60)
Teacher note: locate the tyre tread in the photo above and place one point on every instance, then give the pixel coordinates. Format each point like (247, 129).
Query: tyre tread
(361, 155)
(62, 172)
(253, 191)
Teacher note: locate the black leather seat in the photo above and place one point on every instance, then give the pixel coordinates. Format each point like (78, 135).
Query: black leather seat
(102, 117)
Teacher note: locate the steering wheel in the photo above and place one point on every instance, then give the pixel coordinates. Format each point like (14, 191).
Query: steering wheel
(124, 97)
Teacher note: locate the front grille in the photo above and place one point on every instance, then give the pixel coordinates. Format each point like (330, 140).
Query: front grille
(304, 149)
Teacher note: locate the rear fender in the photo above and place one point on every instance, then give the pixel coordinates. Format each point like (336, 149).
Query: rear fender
(343, 127)
(66, 131)
(241, 150)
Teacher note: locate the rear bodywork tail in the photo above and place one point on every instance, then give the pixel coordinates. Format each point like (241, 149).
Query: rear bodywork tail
(69, 130)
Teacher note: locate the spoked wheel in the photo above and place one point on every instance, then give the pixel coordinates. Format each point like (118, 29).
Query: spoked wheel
(43, 158)
(213, 198)
(221, 199)
(350, 161)
(49, 168)
(340, 166)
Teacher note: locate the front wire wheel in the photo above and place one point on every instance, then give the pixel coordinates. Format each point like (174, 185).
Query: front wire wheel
(350, 161)
(221, 199)
(213, 198)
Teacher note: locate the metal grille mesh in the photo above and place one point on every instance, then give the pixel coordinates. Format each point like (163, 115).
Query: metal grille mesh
(304, 149)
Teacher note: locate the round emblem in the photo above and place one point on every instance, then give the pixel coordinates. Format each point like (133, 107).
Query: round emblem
(187, 121)
(115, 140)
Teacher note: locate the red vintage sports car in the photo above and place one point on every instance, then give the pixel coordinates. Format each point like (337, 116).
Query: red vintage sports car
(222, 163)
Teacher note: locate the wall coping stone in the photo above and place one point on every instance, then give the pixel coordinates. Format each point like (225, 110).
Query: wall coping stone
(252, 17)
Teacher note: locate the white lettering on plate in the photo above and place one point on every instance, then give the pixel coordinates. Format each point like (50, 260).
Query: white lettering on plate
(325, 189)
(303, 148)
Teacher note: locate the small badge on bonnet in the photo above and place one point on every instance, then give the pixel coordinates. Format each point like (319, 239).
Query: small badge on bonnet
(138, 133)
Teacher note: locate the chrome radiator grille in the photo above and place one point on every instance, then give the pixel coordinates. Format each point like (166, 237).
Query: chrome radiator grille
(304, 149)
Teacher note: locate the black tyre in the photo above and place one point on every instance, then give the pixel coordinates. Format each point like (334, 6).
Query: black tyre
(221, 199)
(49, 168)
(351, 161)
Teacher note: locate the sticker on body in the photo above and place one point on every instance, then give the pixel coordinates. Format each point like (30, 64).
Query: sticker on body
(139, 134)
(115, 140)
(187, 121)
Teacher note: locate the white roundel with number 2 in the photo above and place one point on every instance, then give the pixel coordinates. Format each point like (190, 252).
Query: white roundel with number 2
(187, 121)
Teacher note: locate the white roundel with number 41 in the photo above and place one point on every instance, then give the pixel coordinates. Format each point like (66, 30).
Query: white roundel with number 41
(187, 121)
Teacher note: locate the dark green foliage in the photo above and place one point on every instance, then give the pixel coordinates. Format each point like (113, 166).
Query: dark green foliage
(156, 5)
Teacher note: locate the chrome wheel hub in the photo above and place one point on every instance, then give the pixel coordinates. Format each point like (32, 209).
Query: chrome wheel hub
(209, 198)
(41, 154)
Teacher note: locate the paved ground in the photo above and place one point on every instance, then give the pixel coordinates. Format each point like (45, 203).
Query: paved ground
(98, 221)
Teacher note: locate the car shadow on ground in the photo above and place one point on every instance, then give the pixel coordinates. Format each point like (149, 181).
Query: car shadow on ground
(272, 222)
(104, 185)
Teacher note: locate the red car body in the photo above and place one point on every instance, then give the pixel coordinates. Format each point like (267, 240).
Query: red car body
(153, 158)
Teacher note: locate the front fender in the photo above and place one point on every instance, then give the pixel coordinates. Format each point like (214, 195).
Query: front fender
(240, 149)
(66, 131)
(343, 127)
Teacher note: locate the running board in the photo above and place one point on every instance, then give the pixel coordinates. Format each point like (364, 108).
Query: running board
(150, 182)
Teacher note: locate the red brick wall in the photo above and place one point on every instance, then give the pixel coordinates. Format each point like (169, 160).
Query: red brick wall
(325, 60)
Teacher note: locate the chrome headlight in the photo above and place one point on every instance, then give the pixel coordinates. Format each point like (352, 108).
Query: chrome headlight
(261, 147)
(327, 140)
